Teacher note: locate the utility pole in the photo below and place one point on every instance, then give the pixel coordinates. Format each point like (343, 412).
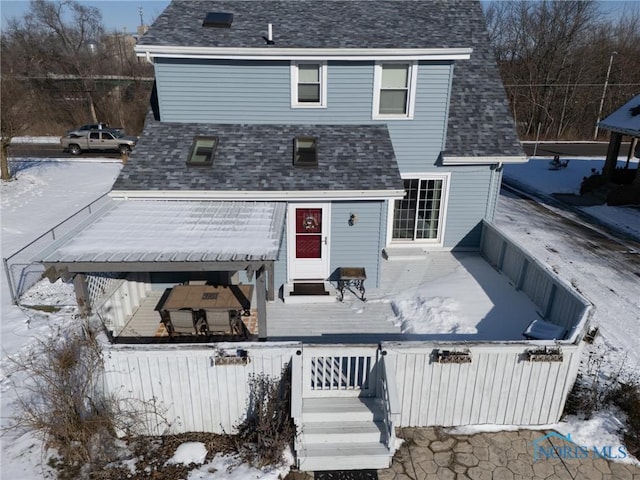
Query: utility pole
(140, 13)
(604, 91)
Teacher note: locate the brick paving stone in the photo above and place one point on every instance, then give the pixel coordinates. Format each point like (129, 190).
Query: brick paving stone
(462, 446)
(428, 466)
(386, 474)
(620, 471)
(589, 472)
(486, 466)
(442, 446)
(445, 473)
(477, 473)
(520, 467)
(466, 459)
(542, 469)
(479, 440)
(602, 466)
(502, 439)
(443, 459)
(456, 467)
(482, 453)
(521, 445)
(423, 436)
(497, 456)
(420, 454)
(502, 473)
(511, 454)
(562, 472)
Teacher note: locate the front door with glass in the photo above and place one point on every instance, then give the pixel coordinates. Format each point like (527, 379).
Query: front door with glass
(308, 241)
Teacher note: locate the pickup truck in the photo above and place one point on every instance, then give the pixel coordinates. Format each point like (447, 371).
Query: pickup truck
(98, 140)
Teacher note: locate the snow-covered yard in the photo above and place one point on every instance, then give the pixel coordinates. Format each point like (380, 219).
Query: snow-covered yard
(48, 191)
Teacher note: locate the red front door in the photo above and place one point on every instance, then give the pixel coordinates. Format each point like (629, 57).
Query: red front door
(308, 241)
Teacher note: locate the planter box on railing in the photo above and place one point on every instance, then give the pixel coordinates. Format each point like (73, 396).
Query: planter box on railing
(545, 354)
(452, 356)
(240, 357)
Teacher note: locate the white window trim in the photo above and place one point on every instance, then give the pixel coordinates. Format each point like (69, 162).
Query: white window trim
(426, 242)
(411, 97)
(294, 86)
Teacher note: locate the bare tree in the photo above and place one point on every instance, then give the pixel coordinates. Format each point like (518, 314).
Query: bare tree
(74, 71)
(13, 119)
(553, 57)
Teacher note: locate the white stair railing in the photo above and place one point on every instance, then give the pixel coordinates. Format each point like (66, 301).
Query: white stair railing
(388, 394)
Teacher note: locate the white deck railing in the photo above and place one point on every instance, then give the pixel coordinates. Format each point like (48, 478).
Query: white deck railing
(330, 371)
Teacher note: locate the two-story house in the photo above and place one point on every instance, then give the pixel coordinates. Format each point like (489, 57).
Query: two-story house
(379, 124)
(291, 141)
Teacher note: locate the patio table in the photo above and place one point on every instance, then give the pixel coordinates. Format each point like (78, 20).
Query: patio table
(351, 277)
(209, 297)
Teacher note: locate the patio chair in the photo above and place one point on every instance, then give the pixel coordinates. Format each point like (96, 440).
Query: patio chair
(218, 321)
(181, 322)
(541, 330)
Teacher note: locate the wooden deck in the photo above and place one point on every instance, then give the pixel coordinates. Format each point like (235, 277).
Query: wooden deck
(483, 297)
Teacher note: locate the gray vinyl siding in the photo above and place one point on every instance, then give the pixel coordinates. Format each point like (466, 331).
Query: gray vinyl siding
(469, 196)
(357, 245)
(240, 92)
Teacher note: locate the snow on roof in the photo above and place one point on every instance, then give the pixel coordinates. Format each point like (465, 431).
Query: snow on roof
(625, 120)
(171, 231)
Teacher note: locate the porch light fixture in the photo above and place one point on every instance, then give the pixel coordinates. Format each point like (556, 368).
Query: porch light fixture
(202, 151)
(305, 151)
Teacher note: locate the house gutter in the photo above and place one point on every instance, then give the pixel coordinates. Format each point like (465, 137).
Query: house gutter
(262, 196)
(451, 160)
(369, 54)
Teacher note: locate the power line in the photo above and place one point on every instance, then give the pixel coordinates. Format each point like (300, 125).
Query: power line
(570, 84)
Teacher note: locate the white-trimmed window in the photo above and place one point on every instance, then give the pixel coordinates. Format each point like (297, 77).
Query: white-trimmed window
(309, 84)
(420, 215)
(394, 87)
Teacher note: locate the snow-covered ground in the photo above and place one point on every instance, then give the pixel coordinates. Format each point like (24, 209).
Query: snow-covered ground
(47, 191)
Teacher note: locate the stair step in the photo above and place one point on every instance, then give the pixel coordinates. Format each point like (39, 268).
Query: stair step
(351, 456)
(341, 432)
(341, 409)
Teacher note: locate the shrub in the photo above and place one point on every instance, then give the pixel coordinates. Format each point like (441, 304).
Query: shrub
(626, 396)
(268, 427)
(58, 394)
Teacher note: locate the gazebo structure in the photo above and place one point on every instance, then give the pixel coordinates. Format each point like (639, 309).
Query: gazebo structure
(625, 121)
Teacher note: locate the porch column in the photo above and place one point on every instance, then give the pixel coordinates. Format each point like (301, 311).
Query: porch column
(82, 294)
(270, 273)
(261, 299)
(612, 155)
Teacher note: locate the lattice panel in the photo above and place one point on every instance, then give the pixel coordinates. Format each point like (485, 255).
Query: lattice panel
(100, 285)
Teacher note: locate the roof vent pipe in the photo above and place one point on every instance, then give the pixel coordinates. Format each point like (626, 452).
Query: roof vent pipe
(269, 37)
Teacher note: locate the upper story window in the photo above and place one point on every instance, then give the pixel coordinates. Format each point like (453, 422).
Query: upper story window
(309, 84)
(202, 151)
(394, 87)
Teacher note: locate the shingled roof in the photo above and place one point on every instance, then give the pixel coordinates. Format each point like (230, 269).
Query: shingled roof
(260, 158)
(479, 124)
(316, 24)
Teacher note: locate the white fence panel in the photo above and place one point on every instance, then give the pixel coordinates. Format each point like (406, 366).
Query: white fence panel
(192, 388)
(500, 385)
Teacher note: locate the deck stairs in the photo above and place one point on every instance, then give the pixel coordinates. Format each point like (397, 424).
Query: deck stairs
(342, 433)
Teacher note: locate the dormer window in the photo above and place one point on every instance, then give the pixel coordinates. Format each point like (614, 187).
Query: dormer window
(309, 84)
(305, 153)
(202, 151)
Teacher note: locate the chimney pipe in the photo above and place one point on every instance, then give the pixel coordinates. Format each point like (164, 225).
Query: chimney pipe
(270, 33)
